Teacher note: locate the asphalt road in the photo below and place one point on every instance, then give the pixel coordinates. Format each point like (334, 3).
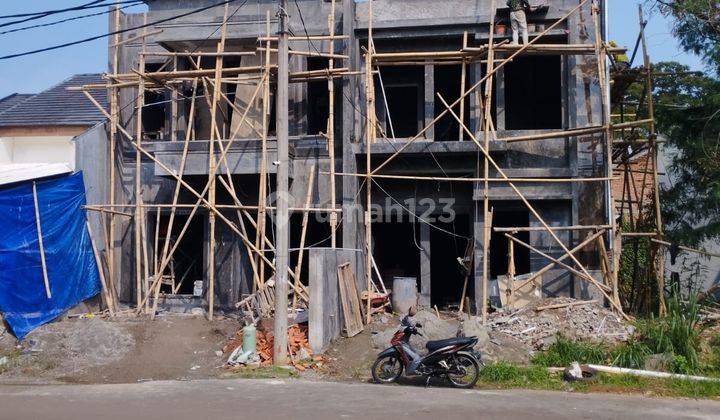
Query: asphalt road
(296, 399)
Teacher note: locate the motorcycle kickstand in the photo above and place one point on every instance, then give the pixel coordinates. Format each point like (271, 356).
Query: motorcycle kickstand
(427, 382)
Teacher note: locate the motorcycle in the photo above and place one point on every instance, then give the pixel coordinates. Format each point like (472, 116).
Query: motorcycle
(453, 358)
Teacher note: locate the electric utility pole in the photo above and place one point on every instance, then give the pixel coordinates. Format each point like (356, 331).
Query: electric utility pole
(281, 216)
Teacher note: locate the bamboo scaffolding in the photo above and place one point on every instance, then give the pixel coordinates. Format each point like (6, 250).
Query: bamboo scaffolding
(476, 85)
(527, 204)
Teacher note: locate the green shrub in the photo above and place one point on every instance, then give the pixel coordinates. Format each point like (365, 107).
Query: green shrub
(563, 352)
(631, 355)
(677, 333)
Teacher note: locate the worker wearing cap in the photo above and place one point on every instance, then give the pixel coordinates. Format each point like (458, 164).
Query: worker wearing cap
(518, 19)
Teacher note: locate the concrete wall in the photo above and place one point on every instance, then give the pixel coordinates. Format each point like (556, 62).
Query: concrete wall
(326, 317)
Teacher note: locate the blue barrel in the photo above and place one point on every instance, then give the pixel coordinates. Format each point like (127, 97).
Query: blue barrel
(404, 294)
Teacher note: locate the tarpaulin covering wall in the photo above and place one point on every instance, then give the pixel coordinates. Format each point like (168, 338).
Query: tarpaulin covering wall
(71, 268)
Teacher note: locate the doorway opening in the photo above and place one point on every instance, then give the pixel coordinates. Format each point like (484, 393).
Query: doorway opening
(447, 275)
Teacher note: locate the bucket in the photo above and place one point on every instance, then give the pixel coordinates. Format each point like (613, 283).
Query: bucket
(404, 294)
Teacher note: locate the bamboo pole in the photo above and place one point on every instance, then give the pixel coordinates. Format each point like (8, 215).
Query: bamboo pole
(303, 231)
(212, 163)
(101, 272)
(470, 179)
(41, 247)
(137, 220)
(262, 189)
(331, 127)
(511, 273)
(463, 75)
(487, 216)
(369, 130)
(601, 59)
(478, 83)
(113, 140)
(660, 260)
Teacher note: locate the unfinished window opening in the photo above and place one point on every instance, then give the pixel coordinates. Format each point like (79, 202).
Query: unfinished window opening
(447, 276)
(317, 98)
(447, 84)
(533, 93)
(405, 95)
(153, 114)
(187, 263)
(499, 243)
(395, 252)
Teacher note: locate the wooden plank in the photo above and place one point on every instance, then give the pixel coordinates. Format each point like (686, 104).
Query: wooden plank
(350, 301)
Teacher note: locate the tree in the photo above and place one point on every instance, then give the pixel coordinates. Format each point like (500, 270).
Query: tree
(687, 113)
(696, 24)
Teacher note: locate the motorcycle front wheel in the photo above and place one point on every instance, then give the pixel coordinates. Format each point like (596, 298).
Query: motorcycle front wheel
(464, 371)
(387, 368)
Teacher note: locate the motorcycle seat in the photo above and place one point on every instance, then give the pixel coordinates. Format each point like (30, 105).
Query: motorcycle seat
(438, 344)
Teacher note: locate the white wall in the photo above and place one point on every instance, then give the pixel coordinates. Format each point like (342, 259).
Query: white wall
(45, 149)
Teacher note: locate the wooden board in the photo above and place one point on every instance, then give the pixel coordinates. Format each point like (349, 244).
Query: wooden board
(352, 310)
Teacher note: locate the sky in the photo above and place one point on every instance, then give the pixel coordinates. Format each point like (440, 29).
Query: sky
(34, 73)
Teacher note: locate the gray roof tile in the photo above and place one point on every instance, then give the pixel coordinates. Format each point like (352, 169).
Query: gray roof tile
(58, 106)
(12, 100)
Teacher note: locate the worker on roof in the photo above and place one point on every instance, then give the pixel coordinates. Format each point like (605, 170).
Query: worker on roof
(518, 19)
(619, 59)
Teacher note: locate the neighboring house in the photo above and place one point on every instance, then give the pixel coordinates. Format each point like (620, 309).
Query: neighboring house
(37, 130)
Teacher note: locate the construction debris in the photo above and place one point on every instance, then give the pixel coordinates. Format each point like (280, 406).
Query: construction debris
(539, 322)
(301, 356)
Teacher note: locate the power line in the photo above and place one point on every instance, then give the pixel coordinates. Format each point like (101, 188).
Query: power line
(47, 12)
(40, 15)
(93, 38)
(41, 25)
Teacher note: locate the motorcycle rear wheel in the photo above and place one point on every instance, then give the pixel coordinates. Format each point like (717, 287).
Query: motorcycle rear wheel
(387, 369)
(464, 371)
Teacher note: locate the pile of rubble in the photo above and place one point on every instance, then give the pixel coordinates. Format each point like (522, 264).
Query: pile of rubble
(301, 356)
(538, 323)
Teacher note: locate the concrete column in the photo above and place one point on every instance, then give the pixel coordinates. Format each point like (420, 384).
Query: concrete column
(479, 232)
(429, 100)
(425, 280)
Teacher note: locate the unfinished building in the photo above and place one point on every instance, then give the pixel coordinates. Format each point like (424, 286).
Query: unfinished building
(418, 132)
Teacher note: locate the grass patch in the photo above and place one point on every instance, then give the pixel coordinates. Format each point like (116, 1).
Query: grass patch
(563, 352)
(503, 375)
(506, 375)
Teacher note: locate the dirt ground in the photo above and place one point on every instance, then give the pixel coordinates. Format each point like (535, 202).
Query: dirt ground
(117, 351)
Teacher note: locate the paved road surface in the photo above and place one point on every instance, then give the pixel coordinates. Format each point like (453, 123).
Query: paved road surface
(296, 399)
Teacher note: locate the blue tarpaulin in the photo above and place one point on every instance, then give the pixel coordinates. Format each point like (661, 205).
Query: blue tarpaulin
(71, 268)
